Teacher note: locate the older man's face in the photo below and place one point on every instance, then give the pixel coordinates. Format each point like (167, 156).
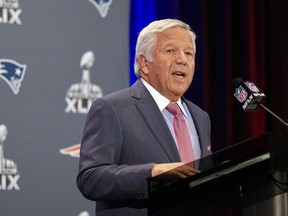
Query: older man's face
(172, 69)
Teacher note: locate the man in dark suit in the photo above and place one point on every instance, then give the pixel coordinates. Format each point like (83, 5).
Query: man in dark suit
(128, 135)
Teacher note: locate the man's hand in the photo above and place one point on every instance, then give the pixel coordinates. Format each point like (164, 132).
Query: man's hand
(174, 170)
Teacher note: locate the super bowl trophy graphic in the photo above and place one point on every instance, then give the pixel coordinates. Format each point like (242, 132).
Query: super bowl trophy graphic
(6, 166)
(80, 96)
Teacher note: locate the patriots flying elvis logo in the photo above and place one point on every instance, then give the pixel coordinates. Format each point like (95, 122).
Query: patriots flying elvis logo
(102, 6)
(12, 73)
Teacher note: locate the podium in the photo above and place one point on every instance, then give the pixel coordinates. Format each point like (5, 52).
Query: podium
(249, 178)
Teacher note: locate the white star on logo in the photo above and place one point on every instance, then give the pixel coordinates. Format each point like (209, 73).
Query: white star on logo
(18, 72)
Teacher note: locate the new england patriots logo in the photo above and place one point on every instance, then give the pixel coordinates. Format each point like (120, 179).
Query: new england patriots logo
(102, 6)
(12, 73)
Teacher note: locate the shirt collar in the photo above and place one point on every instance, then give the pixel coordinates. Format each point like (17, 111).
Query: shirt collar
(160, 100)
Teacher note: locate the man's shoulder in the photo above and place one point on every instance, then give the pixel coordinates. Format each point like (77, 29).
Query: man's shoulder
(192, 105)
(134, 91)
(117, 94)
(195, 108)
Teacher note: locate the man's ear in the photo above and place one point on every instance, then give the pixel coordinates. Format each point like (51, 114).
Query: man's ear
(143, 64)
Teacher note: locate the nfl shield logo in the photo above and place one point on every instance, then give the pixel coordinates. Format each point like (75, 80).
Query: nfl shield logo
(240, 94)
(252, 86)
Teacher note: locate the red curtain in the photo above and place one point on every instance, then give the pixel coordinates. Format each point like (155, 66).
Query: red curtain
(247, 39)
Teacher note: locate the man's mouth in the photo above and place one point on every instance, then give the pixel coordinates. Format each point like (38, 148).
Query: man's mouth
(179, 74)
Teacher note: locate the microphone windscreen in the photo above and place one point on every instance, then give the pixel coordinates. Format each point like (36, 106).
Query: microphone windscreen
(236, 82)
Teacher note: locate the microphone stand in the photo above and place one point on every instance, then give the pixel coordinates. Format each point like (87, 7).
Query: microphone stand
(273, 114)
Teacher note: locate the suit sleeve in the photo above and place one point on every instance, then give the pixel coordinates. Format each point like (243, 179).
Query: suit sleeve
(101, 176)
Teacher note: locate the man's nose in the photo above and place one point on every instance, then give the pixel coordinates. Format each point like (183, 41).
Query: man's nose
(181, 58)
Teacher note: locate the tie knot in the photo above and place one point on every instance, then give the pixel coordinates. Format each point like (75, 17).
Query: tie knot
(174, 109)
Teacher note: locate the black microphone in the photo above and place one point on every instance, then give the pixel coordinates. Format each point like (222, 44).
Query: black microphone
(247, 94)
(250, 97)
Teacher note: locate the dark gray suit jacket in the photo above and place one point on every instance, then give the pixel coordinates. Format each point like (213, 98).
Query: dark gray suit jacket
(125, 133)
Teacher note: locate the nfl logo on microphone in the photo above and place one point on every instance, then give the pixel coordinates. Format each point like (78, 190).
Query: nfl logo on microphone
(241, 94)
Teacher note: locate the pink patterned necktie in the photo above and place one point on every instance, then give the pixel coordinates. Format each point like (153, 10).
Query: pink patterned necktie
(182, 134)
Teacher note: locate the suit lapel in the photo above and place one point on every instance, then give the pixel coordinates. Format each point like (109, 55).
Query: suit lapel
(155, 120)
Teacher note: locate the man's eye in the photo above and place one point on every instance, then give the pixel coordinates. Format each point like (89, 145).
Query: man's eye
(170, 50)
(190, 54)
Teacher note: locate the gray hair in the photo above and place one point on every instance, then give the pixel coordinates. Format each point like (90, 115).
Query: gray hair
(148, 38)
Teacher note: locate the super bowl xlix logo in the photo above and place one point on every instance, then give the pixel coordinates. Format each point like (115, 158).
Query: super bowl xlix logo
(80, 96)
(10, 12)
(9, 175)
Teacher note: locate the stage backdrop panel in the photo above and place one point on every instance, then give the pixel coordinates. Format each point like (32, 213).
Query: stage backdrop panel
(56, 58)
